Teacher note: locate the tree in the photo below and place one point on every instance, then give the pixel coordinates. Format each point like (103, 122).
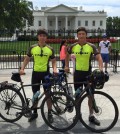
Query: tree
(113, 26)
(14, 13)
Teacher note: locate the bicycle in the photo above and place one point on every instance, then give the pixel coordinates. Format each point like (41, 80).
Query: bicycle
(14, 104)
(60, 81)
(103, 105)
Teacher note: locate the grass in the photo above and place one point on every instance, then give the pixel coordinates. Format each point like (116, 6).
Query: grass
(19, 46)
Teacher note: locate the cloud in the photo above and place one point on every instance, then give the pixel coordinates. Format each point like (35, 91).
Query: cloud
(112, 7)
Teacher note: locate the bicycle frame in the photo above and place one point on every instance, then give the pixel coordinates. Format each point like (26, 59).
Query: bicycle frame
(87, 83)
(22, 87)
(87, 89)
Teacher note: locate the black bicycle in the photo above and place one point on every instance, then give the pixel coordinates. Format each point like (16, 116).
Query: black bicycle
(103, 105)
(14, 104)
(59, 82)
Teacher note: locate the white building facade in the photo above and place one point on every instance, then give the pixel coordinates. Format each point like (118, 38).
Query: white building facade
(67, 18)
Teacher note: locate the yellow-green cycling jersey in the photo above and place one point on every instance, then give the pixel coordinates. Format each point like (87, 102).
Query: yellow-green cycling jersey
(83, 55)
(41, 57)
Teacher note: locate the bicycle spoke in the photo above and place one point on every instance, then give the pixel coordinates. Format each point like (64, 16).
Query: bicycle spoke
(107, 112)
(63, 115)
(10, 104)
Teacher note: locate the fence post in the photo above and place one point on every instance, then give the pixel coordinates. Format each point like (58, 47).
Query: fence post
(19, 60)
(116, 59)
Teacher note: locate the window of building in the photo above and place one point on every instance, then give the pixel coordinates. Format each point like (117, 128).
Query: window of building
(79, 23)
(68, 23)
(33, 22)
(39, 23)
(50, 23)
(86, 23)
(101, 23)
(59, 23)
(93, 23)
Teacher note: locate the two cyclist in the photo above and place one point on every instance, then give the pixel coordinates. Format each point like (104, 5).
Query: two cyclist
(42, 53)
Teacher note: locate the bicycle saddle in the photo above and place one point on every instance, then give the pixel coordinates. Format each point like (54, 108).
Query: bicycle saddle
(16, 76)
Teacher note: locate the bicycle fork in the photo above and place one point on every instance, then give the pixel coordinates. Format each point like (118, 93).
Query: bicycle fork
(93, 101)
(95, 107)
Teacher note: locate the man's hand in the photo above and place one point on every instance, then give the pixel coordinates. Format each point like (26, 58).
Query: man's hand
(67, 69)
(21, 72)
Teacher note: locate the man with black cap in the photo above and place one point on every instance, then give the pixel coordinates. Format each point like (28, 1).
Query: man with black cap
(42, 54)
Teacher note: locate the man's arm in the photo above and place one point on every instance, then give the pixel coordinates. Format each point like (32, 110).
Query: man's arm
(54, 66)
(99, 49)
(25, 62)
(100, 61)
(67, 62)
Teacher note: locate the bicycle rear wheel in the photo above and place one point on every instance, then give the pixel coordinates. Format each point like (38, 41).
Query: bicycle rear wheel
(107, 115)
(64, 113)
(11, 103)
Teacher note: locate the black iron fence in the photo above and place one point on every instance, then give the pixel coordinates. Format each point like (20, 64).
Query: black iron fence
(13, 60)
(13, 49)
(114, 59)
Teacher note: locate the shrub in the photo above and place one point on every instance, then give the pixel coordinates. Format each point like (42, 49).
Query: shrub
(27, 38)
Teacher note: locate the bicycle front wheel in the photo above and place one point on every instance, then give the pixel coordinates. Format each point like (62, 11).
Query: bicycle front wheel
(11, 103)
(63, 111)
(107, 112)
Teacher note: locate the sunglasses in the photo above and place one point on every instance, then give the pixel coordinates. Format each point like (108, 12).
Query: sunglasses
(41, 54)
(81, 50)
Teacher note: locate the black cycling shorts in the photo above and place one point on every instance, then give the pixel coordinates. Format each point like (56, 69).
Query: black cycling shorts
(80, 76)
(37, 77)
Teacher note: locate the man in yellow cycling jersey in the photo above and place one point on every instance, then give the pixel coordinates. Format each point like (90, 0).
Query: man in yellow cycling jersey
(42, 54)
(83, 52)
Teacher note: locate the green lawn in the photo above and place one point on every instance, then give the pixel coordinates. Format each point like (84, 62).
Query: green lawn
(19, 46)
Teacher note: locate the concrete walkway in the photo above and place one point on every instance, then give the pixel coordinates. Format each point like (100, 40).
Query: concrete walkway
(22, 126)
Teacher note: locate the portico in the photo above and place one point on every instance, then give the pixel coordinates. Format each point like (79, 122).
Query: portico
(67, 18)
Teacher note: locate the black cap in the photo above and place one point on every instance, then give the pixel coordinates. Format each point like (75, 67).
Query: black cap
(42, 31)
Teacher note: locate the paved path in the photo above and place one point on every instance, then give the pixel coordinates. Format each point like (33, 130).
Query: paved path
(39, 127)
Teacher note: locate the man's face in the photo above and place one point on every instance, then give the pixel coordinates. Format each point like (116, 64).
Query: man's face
(104, 39)
(81, 35)
(42, 38)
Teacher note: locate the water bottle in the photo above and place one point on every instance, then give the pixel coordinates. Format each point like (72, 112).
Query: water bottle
(78, 92)
(35, 96)
(70, 90)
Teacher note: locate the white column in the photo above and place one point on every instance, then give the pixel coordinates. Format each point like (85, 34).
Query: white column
(56, 22)
(66, 22)
(46, 23)
(76, 23)
(76, 26)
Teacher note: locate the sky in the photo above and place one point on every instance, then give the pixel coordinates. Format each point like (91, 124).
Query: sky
(112, 7)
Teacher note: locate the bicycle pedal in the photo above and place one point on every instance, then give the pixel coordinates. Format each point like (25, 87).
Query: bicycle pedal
(70, 109)
(60, 110)
(28, 115)
(18, 113)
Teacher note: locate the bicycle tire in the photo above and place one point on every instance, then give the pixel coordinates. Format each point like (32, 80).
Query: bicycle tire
(107, 115)
(10, 107)
(62, 121)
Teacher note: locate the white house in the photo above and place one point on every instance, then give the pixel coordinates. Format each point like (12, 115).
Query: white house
(67, 18)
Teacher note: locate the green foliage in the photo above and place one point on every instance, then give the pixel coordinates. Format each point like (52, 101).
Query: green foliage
(27, 38)
(13, 14)
(113, 26)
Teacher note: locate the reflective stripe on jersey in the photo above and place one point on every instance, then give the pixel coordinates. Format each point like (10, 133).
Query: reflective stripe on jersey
(41, 57)
(83, 55)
